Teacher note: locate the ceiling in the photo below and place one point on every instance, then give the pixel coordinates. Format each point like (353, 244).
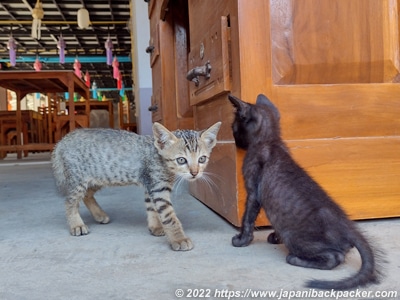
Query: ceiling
(109, 18)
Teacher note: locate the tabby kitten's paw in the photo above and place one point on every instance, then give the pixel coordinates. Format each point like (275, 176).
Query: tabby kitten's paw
(182, 245)
(102, 219)
(242, 240)
(79, 230)
(157, 231)
(274, 238)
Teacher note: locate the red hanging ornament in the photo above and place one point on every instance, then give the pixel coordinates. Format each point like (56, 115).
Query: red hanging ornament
(115, 66)
(87, 79)
(77, 68)
(119, 81)
(37, 65)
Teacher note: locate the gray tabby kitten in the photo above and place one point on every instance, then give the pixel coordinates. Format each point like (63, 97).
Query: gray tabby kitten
(86, 160)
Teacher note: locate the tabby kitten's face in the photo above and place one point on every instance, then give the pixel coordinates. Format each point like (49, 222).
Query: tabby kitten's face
(186, 152)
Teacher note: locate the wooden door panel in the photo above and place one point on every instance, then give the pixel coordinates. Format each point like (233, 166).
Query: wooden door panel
(168, 60)
(154, 44)
(334, 73)
(156, 105)
(334, 111)
(209, 44)
(341, 41)
(157, 71)
(183, 107)
(212, 49)
(361, 174)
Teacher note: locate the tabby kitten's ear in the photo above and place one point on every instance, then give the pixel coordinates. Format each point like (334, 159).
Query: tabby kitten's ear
(209, 136)
(163, 138)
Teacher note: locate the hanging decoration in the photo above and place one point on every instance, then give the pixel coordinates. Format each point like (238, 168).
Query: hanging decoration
(87, 79)
(122, 91)
(94, 90)
(37, 65)
(119, 81)
(12, 47)
(83, 18)
(37, 14)
(115, 65)
(77, 68)
(61, 47)
(109, 47)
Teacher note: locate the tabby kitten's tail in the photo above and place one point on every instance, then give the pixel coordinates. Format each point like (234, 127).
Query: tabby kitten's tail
(366, 275)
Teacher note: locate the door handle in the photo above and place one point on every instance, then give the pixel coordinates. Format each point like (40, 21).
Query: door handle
(193, 74)
(153, 108)
(150, 49)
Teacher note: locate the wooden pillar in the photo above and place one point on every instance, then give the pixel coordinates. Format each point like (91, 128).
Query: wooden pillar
(19, 124)
(87, 106)
(71, 102)
(50, 116)
(3, 99)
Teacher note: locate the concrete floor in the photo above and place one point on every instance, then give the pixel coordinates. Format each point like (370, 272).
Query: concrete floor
(121, 260)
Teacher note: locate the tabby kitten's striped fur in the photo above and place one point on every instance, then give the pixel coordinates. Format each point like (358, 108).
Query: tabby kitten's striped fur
(86, 160)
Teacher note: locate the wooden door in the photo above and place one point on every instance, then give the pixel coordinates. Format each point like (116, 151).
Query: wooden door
(332, 68)
(168, 60)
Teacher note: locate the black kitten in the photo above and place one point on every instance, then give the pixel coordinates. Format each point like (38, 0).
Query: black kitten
(315, 229)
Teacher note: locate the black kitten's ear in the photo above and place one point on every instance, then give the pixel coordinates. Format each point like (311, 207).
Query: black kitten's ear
(262, 100)
(237, 103)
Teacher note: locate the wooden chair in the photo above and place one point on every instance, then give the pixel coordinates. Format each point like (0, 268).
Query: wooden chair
(43, 128)
(8, 134)
(124, 117)
(59, 122)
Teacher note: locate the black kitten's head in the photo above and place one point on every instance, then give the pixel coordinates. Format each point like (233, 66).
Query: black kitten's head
(255, 122)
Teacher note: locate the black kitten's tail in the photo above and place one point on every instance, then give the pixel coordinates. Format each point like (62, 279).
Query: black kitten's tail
(366, 275)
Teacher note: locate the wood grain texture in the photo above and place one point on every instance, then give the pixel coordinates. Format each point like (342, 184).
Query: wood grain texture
(317, 42)
(362, 174)
(329, 111)
(220, 195)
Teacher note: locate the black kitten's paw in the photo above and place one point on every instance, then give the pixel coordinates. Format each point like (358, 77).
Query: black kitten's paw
(274, 238)
(241, 240)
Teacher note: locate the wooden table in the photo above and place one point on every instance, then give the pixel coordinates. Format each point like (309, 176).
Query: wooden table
(46, 82)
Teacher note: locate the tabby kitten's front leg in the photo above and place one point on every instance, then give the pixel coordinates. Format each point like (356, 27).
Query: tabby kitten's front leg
(153, 219)
(162, 220)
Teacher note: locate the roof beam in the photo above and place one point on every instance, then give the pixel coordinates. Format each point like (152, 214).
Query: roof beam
(68, 59)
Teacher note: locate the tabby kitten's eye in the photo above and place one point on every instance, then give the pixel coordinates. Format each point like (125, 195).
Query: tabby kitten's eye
(202, 159)
(181, 160)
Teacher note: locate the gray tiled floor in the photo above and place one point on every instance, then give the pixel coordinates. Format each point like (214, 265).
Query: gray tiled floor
(121, 260)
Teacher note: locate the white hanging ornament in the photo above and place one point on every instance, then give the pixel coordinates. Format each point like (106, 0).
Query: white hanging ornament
(83, 18)
(37, 14)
